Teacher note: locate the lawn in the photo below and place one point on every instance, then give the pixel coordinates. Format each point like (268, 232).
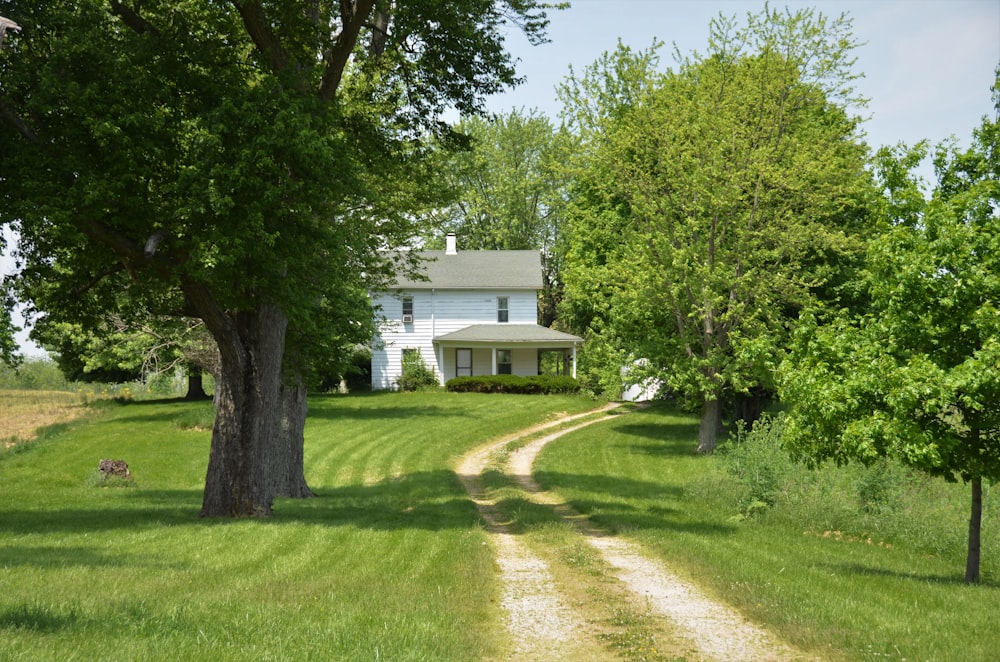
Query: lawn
(389, 562)
(828, 575)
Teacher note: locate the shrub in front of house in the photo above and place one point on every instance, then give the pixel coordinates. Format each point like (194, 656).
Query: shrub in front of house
(539, 384)
(416, 375)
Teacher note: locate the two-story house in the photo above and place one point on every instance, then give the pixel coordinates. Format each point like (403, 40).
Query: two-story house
(476, 314)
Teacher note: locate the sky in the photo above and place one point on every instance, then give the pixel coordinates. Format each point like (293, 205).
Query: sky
(927, 64)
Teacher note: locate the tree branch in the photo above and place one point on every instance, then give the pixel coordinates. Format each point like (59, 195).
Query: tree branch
(219, 324)
(12, 119)
(123, 247)
(132, 19)
(79, 291)
(380, 28)
(262, 35)
(353, 14)
(153, 242)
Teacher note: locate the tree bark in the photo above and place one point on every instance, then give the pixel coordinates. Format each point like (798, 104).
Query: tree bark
(975, 525)
(711, 424)
(289, 466)
(240, 480)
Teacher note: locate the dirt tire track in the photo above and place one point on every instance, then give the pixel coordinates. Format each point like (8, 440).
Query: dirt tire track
(541, 624)
(715, 630)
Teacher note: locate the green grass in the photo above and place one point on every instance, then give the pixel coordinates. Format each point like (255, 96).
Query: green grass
(389, 562)
(804, 567)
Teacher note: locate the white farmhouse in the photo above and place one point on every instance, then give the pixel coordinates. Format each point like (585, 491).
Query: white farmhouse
(476, 314)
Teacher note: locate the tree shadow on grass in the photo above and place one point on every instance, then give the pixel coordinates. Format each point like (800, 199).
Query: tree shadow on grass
(432, 500)
(390, 411)
(958, 579)
(615, 513)
(427, 500)
(37, 618)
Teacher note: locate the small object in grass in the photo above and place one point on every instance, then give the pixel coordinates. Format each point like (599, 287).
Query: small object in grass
(114, 469)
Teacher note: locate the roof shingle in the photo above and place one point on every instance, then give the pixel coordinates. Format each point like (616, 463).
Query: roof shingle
(508, 270)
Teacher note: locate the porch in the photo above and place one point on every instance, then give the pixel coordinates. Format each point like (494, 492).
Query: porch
(497, 349)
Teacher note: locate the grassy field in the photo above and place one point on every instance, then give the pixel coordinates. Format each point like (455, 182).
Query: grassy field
(823, 567)
(25, 411)
(389, 562)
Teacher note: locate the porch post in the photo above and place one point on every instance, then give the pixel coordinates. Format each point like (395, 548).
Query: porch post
(493, 352)
(439, 357)
(574, 360)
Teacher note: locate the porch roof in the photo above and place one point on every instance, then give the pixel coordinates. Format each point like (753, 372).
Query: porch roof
(522, 334)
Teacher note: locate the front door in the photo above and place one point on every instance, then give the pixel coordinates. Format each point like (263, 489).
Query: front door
(463, 362)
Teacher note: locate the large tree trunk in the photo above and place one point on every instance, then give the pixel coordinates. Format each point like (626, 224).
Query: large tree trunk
(196, 385)
(289, 469)
(240, 478)
(975, 524)
(711, 424)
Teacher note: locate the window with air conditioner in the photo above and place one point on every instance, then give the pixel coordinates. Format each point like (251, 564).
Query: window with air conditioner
(407, 310)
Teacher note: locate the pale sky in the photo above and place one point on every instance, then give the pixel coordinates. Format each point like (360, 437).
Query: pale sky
(928, 64)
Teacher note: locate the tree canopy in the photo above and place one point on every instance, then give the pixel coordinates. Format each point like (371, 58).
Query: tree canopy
(917, 376)
(713, 199)
(244, 163)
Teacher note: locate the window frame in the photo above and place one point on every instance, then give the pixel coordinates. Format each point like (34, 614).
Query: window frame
(458, 366)
(407, 304)
(505, 367)
(503, 310)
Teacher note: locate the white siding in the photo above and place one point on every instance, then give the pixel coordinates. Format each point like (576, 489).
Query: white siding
(482, 361)
(525, 362)
(437, 312)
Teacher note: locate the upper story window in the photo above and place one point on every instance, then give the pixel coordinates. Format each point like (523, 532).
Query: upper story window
(407, 310)
(503, 309)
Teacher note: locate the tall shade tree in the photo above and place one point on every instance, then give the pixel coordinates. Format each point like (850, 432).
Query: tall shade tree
(917, 378)
(509, 189)
(241, 162)
(714, 196)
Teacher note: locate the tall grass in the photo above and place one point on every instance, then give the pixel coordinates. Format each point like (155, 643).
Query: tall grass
(389, 562)
(849, 563)
(22, 413)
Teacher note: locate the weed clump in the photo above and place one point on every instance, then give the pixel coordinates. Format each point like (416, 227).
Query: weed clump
(111, 473)
(760, 465)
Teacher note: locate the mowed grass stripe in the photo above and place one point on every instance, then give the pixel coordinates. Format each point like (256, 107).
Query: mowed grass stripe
(391, 566)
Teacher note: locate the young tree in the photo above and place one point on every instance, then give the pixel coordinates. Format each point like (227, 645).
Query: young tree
(240, 162)
(721, 189)
(917, 378)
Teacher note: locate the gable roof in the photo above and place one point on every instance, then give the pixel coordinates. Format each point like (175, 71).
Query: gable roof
(508, 270)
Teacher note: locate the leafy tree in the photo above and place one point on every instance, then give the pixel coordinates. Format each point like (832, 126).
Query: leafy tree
(119, 352)
(8, 344)
(917, 378)
(238, 162)
(713, 198)
(509, 189)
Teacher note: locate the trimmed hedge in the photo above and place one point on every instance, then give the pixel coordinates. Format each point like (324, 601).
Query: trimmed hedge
(540, 384)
